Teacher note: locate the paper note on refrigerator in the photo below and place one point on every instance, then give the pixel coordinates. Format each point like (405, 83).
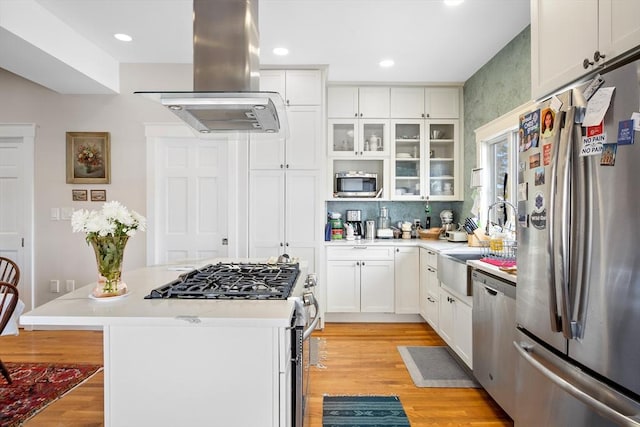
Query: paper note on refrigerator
(598, 106)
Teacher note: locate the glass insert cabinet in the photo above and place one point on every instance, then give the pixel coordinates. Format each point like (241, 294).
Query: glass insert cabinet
(359, 138)
(425, 160)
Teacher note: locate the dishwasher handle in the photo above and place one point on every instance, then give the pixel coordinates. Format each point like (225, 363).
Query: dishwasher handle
(490, 291)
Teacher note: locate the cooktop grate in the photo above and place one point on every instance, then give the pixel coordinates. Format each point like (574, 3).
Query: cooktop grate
(249, 281)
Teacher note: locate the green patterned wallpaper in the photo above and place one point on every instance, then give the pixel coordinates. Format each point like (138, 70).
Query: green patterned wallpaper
(501, 85)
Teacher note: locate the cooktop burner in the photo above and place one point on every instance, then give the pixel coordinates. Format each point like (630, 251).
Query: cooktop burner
(249, 281)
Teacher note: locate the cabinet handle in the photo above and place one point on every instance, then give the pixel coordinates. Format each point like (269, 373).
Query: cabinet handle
(597, 56)
(431, 269)
(586, 63)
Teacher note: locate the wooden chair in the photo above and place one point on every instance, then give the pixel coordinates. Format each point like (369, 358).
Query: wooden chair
(8, 303)
(9, 271)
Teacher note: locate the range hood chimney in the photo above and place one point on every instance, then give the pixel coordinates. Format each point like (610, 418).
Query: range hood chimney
(226, 73)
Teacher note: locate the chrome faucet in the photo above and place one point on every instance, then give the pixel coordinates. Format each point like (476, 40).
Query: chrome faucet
(502, 202)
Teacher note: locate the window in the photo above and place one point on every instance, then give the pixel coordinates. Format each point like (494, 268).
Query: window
(501, 175)
(497, 156)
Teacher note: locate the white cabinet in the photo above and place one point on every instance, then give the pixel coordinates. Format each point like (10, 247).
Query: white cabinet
(407, 280)
(301, 150)
(360, 279)
(568, 41)
(286, 212)
(358, 102)
(427, 160)
(429, 102)
(455, 324)
(357, 138)
(429, 287)
(297, 87)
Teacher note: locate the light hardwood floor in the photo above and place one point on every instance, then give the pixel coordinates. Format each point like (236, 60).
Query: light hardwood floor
(355, 359)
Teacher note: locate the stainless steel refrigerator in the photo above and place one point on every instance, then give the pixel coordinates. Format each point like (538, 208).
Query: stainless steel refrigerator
(578, 299)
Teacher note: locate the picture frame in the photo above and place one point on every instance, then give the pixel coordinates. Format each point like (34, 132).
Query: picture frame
(79, 195)
(88, 158)
(98, 195)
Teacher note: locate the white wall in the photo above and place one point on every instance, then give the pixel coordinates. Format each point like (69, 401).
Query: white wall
(59, 253)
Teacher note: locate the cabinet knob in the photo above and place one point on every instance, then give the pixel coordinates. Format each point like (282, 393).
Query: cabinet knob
(586, 63)
(428, 115)
(362, 263)
(597, 56)
(397, 249)
(287, 102)
(422, 115)
(355, 115)
(281, 245)
(357, 262)
(287, 244)
(286, 166)
(360, 114)
(281, 166)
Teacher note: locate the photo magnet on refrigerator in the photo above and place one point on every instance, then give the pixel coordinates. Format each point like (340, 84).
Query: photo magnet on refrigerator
(538, 217)
(625, 132)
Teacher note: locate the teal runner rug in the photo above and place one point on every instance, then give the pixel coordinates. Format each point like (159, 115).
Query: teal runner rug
(363, 411)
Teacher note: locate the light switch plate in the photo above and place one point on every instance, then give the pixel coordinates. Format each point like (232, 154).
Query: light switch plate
(55, 214)
(66, 214)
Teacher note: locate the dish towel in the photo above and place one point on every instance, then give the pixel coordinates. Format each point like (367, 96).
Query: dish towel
(12, 326)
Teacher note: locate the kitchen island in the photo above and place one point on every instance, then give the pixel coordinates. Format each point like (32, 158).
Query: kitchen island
(170, 362)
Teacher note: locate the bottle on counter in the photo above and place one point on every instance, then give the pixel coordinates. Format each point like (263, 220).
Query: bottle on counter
(427, 210)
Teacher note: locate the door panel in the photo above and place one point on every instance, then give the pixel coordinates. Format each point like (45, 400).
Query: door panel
(192, 188)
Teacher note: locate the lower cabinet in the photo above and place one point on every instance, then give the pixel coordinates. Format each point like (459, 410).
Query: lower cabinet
(364, 283)
(456, 322)
(429, 287)
(407, 282)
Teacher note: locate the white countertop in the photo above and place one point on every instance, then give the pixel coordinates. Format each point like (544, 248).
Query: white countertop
(435, 244)
(77, 308)
(493, 270)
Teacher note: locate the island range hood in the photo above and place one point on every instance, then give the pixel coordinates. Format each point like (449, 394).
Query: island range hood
(226, 94)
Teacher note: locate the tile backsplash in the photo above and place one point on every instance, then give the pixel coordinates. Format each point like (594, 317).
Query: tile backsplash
(399, 211)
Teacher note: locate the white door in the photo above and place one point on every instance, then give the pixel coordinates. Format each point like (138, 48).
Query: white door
(190, 199)
(16, 202)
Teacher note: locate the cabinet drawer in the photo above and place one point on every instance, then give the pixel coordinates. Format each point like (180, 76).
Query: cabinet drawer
(360, 253)
(430, 257)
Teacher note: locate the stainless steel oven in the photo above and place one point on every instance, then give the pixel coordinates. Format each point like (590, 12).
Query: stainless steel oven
(307, 318)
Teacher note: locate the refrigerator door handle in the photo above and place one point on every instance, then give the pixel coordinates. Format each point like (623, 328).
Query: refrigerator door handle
(557, 242)
(608, 402)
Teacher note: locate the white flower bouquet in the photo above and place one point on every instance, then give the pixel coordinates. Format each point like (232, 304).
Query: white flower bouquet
(108, 231)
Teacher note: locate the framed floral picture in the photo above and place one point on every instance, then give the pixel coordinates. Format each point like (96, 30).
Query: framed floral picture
(88, 158)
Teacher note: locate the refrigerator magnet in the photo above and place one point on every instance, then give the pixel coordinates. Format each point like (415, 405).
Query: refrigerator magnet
(548, 119)
(608, 157)
(625, 132)
(529, 130)
(539, 176)
(534, 161)
(523, 190)
(538, 217)
(546, 154)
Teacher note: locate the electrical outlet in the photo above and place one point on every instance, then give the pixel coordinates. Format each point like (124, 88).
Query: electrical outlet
(71, 285)
(54, 286)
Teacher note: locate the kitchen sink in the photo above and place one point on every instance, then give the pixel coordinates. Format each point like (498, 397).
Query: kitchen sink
(454, 273)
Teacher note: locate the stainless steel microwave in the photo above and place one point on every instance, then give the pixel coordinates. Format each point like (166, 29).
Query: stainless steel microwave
(356, 184)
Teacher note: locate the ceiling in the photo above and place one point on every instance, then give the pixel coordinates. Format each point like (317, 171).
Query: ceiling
(428, 41)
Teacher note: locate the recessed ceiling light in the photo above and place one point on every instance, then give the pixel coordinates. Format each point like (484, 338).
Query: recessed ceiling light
(281, 51)
(387, 63)
(123, 37)
(453, 2)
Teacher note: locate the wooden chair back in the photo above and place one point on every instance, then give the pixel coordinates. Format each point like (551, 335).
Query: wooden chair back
(8, 302)
(9, 271)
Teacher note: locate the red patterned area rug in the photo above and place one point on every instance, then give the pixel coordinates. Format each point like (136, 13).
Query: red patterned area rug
(36, 385)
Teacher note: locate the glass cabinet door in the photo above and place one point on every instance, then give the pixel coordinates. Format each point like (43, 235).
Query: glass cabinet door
(374, 137)
(407, 159)
(343, 137)
(444, 160)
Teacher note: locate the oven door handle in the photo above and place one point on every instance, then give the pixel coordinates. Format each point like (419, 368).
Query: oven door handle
(312, 326)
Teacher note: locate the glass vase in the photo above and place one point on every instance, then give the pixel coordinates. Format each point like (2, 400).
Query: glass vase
(109, 252)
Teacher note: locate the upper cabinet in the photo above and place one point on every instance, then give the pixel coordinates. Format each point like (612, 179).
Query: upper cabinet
(568, 42)
(358, 102)
(297, 87)
(421, 102)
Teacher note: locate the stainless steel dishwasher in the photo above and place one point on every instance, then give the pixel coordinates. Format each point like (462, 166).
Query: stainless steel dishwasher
(494, 331)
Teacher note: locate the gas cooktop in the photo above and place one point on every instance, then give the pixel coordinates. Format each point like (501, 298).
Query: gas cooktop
(247, 281)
